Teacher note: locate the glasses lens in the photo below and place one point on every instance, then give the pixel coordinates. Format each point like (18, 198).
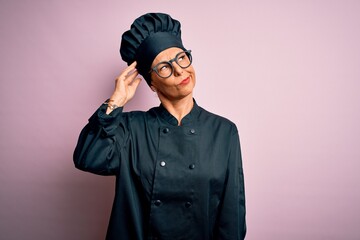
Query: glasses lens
(183, 59)
(164, 69)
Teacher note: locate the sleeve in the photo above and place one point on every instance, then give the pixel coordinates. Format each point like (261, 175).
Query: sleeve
(231, 219)
(97, 149)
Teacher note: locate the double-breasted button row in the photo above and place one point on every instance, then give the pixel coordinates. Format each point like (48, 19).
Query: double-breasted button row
(158, 203)
(167, 130)
(163, 164)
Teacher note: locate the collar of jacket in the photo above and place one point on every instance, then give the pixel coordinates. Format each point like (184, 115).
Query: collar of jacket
(187, 120)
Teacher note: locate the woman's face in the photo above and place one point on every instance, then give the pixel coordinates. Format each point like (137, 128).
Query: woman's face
(180, 84)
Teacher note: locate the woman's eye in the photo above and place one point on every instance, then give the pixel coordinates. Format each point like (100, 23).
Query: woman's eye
(163, 68)
(180, 58)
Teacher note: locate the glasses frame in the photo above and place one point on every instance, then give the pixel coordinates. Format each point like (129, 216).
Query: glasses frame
(187, 52)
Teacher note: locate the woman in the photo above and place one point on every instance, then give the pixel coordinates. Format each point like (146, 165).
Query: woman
(178, 167)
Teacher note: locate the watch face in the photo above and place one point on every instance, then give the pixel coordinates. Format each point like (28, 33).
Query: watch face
(112, 106)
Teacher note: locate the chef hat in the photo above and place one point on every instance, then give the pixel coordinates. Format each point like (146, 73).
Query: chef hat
(149, 35)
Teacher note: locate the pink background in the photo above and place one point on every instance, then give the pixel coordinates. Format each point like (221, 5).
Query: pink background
(286, 72)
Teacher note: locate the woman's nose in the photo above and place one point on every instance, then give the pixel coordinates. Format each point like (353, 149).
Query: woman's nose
(177, 69)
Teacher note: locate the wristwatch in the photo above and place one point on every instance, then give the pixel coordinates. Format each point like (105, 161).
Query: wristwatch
(110, 105)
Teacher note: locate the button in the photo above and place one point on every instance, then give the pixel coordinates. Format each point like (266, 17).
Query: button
(162, 163)
(157, 202)
(188, 204)
(192, 131)
(192, 166)
(166, 130)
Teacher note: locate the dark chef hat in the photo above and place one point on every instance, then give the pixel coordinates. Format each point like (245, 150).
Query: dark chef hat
(149, 35)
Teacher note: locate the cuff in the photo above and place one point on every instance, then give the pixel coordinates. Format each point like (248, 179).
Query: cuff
(108, 122)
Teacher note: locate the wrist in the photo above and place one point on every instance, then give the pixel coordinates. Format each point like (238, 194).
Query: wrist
(117, 99)
(111, 104)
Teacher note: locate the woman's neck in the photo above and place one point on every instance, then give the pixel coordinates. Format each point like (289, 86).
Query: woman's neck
(179, 108)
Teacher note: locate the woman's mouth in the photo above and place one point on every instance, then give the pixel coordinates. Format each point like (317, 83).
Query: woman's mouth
(185, 81)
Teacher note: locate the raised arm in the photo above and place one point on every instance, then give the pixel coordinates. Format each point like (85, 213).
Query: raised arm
(125, 87)
(100, 142)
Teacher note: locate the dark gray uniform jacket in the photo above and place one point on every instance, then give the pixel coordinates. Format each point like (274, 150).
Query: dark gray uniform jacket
(172, 182)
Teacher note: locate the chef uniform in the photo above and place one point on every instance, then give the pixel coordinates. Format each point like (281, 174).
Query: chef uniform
(172, 181)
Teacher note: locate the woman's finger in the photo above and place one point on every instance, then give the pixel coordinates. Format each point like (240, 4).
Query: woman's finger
(129, 69)
(131, 76)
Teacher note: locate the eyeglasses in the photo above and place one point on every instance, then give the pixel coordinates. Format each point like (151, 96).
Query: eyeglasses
(165, 69)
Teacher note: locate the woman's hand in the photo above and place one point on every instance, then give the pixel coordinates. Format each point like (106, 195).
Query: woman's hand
(125, 87)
